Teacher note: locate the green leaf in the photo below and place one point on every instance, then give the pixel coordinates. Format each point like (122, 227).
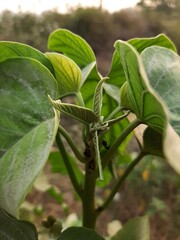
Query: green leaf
(11, 228)
(111, 110)
(97, 101)
(161, 40)
(153, 142)
(27, 126)
(111, 107)
(116, 73)
(72, 46)
(67, 74)
(87, 70)
(112, 91)
(80, 52)
(14, 49)
(135, 229)
(136, 94)
(89, 86)
(82, 114)
(163, 69)
(58, 166)
(79, 233)
(149, 106)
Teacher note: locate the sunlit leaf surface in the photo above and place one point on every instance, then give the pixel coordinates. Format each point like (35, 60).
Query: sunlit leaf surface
(15, 49)
(71, 45)
(67, 74)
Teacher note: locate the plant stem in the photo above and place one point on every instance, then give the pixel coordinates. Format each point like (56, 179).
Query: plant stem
(80, 99)
(75, 150)
(88, 201)
(98, 157)
(81, 103)
(120, 182)
(68, 165)
(113, 114)
(109, 154)
(118, 119)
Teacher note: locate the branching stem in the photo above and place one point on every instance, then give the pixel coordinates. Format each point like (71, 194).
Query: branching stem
(80, 99)
(113, 114)
(68, 165)
(110, 153)
(120, 182)
(75, 150)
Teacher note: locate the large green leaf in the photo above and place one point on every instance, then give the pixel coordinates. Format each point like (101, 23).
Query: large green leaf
(14, 49)
(27, 124)
(80, 52)
(72, 46)
(82, 114)
(11, 228)
(163, 70)
(135, 229)
(161, 40)
(79, 233)
(67, 73)
(136, 94)
(116, 73)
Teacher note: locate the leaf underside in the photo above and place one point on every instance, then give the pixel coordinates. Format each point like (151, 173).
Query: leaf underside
(27, 125)
(11, 228)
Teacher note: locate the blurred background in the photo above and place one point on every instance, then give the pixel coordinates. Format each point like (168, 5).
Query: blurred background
(153, 188)
(32, 22)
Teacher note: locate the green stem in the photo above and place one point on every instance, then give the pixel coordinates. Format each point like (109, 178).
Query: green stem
(88, 201)
(68, 165)
(110, 122)
(113, 114)
(75, 150)
(118, 119)
(97, 154)
(110, 153)
(120, 182)
(81, 103)
(80, 99)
